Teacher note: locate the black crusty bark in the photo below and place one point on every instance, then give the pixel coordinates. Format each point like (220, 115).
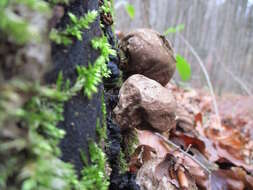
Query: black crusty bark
(80, 114)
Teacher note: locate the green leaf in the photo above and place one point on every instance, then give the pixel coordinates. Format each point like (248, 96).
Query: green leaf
(183, 68)
(173, 30)
(3, 3)
(180, 27)
(130, 10)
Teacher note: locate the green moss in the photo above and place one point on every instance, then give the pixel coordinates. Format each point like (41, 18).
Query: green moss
(122, 162)
(30, 156)
(94, 176)
(104, 47)
(74, 29)
(101, 131)
(54, 2)
(103, 109)
(130, 141)
(17, 26)
(59, 38)
(39, 118)
(106, 8)
(113, 10)
(40, 167)
(43, 169)
(90, 77)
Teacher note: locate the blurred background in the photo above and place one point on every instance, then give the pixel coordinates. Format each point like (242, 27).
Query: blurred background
(218, 33)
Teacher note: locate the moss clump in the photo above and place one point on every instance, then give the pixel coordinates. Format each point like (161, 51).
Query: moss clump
(94, 176)
(30, 112)
(40, 167)
(16, 24)
(74, 29)
(130, 140)
(54, 2)
(33, 144)
(122, 162)
(103, 109)
(101, 132)
(101, 129)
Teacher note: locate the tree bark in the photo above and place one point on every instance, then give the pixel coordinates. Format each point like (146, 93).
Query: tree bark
(80, 113)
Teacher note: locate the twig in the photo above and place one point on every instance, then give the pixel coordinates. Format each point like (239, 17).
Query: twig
(185, 153)
(188, 148)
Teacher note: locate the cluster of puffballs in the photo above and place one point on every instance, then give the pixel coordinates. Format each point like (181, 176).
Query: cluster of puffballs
(147, 62)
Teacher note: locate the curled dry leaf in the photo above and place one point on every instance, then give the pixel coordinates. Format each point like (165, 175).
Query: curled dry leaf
(185, 121)
(149, 138)
(166, 168)
(186, 141)
(142, 154)
(146, 178)
(234, 179)
(166, 173)
(229, 145)
(242, 115)
(198, 118)
(198, 173)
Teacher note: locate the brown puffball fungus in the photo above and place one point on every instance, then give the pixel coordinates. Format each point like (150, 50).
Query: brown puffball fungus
(146, 52)
(145, 104)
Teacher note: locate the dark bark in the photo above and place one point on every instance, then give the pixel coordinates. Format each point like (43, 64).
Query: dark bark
(80, 113)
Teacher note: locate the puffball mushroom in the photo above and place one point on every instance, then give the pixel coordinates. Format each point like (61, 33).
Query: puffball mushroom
(146, 52)
(145, 104)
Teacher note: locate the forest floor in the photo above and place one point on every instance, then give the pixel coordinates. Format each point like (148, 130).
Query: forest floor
(216, 152)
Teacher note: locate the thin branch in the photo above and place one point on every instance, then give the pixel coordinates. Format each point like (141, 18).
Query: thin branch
(188, 148)
(185, 153)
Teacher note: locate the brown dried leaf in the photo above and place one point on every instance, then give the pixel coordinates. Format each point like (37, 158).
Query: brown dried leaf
(199, 118)
(167, 173)
(166, 167)
(142, 154)
(186, 141)
(148, 138)
(234, 179)
(229, 145)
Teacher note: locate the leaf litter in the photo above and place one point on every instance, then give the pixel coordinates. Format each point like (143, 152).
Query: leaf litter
(199, 150)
